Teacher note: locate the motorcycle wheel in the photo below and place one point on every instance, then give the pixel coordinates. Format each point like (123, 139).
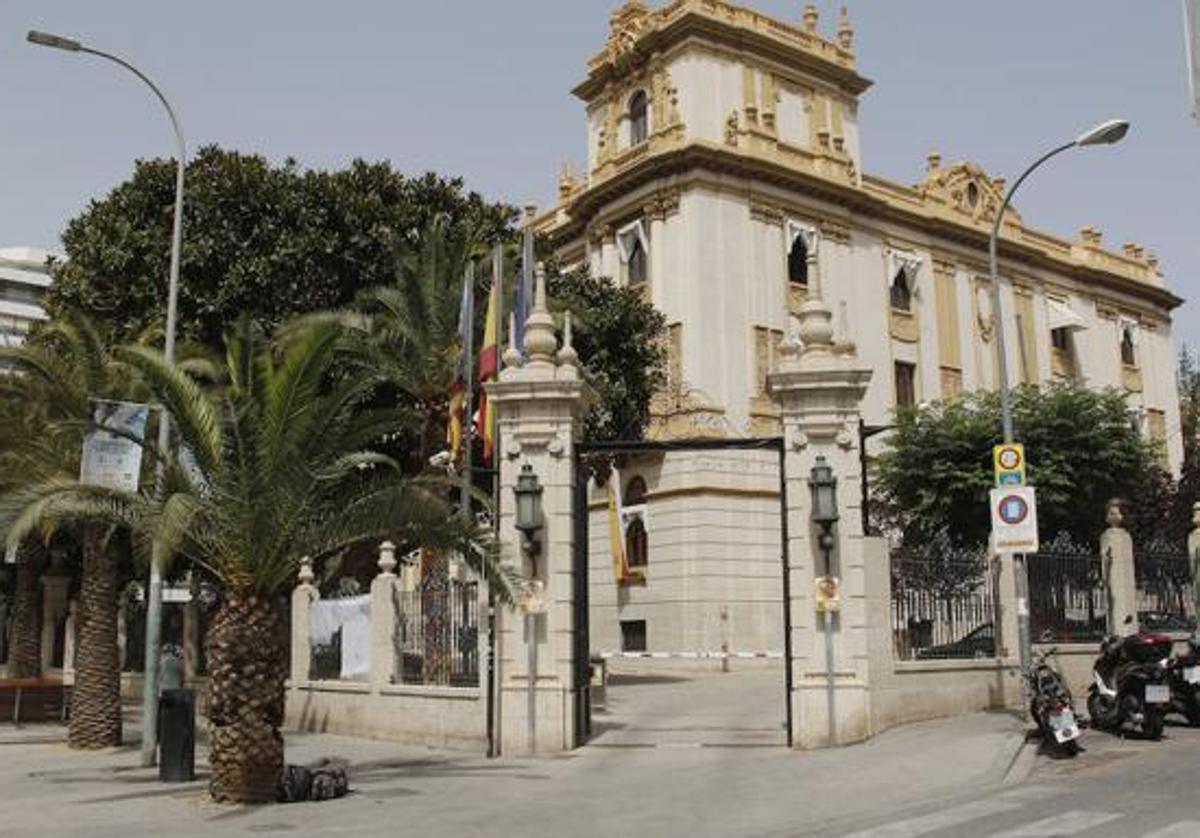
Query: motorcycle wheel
(1152, 727)
(1070, 749)
(1193, 710)
(1096, 713)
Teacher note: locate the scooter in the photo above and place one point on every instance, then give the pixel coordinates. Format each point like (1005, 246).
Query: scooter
(1051, 704)
(1129, 683)
(1183, 677)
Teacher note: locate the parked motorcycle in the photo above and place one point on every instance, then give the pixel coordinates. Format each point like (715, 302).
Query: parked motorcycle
(1129, 683)
(1051, 704)
(1183, 677)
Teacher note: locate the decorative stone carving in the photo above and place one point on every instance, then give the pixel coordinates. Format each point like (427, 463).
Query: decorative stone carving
(662, 205)
(731, 129)
(625, 27)
(845, 31)
(966, 189)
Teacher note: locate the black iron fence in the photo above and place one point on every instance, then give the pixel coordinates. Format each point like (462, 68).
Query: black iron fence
(1165, 590)
(943, 602)
(437, 636)
(1068, 602)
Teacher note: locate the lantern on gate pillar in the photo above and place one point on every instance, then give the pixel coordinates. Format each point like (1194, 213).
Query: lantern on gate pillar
(528, 493)
(823, 486)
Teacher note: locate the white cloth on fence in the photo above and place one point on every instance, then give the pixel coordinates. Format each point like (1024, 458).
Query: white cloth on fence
(353, 616)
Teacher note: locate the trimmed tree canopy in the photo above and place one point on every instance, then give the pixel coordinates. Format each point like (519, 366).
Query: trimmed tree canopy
(260, 240)
(1079, 444)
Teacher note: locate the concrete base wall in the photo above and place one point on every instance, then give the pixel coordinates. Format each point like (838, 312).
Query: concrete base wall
(919, 691)
(437, 717)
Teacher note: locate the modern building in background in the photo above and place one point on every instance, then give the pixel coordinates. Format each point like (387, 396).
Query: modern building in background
(725, 176)
(24, 278)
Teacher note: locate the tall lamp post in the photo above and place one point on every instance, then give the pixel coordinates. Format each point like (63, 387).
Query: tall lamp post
(1106, 133)
(154, 598)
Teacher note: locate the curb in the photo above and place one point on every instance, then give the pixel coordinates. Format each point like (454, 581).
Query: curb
(1022, 763)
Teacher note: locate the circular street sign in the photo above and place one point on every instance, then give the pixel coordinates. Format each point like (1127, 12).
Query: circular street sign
(1010, 458)
(1013, 509)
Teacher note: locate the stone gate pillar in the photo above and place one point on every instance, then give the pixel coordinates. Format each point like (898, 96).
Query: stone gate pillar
(819, 387)
(1120, 576)
(538, 407)
(54, 607)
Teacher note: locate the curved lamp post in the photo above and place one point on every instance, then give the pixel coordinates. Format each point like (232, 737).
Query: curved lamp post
(1106, 133)
(154, 599)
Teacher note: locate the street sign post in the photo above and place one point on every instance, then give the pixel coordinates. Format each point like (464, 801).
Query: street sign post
(1014, 519)
(1009, 463)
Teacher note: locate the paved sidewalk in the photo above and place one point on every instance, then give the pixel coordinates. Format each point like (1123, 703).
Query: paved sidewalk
(47, 790)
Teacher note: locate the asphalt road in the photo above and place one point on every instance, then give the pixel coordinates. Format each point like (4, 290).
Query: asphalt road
(1116, 788)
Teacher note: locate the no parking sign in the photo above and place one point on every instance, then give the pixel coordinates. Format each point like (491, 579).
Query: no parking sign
(1014, 519)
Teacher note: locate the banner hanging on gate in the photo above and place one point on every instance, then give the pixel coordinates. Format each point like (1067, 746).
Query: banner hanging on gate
(1014, 519)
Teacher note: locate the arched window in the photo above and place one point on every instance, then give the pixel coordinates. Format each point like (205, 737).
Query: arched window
(901, 293)
(636, 541)
(1128, 351)
(639, 124)
(798, 263)
(637, 262)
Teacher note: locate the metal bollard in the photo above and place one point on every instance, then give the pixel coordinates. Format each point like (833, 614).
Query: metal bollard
(177, 740)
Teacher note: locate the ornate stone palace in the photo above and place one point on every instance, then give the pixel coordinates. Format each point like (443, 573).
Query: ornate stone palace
(724, 177)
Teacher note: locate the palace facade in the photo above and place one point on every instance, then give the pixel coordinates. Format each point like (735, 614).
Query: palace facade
(725, 179)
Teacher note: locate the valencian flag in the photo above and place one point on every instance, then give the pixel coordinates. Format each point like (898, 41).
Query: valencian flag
(454, 427)
(489, 366)
(616, 530)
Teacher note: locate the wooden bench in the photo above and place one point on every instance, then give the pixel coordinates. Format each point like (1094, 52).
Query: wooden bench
(33, 700)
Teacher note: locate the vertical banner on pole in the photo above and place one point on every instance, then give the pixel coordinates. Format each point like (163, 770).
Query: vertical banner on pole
(112, 446)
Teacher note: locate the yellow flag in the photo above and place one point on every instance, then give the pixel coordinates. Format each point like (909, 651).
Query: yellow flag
(616, 531)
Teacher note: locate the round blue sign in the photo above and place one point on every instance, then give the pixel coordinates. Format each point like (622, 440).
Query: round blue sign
(1013, 510)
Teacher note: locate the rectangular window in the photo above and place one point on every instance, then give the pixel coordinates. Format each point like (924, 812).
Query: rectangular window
(1059, 339)
(906, 384)
(633, 635)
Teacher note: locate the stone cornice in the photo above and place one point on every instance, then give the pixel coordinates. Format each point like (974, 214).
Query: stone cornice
(639, 33)
(877, 199)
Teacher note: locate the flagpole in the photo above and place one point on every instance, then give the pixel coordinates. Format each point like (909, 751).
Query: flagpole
(490, 600)
(468, 421)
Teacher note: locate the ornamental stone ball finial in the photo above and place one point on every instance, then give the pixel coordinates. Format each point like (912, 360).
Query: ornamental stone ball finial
(1113, 516)
(933, 162)
(811, 18)
(306, 571)
(512, 355)
(567, 356)
(540, 342)
(387, 557)
(1196, 515)
(845, 30)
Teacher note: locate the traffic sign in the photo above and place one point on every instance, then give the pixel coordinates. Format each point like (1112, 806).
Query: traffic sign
(1009, 462)
(1014, 519)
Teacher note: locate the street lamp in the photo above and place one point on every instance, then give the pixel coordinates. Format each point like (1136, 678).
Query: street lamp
(1106, 133)
(154, 604)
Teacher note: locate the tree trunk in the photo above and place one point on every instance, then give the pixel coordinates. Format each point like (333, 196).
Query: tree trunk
(25, 653)
(247, 665)
(96, 700)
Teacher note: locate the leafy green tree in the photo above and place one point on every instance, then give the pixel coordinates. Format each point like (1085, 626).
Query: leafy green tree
(259, 239)
(1080, 448)
(282, 462)
(618, 335)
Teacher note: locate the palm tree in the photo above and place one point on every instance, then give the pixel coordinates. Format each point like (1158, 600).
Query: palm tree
(408, 330)
(54, 378)
(280, 463)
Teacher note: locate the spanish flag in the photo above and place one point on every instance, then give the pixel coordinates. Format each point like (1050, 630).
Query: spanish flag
(616, 530)
(489, 366)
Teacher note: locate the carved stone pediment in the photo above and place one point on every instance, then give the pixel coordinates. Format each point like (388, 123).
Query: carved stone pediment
(625, 27)
(966, 188)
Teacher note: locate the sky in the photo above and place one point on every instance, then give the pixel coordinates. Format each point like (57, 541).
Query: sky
(482, 90)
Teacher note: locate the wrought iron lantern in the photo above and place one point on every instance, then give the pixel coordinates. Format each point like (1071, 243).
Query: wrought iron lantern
(528, 492)
(824, 494)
